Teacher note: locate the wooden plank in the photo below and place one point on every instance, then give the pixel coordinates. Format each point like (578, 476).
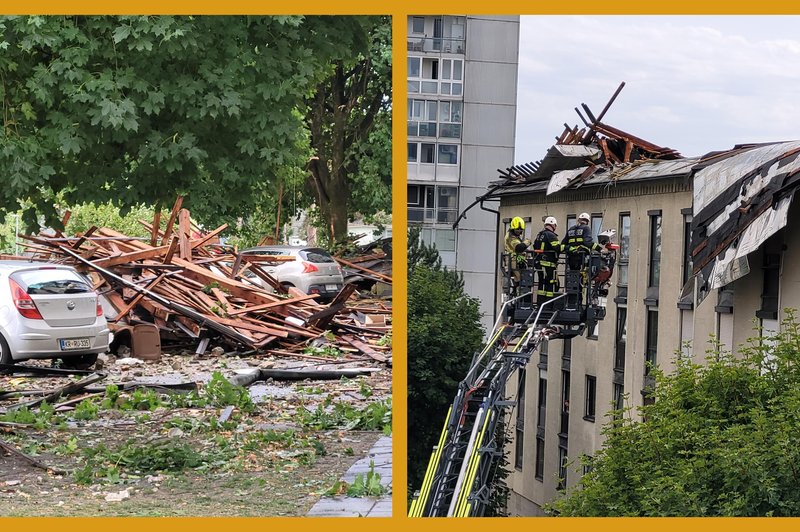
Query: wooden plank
(199, 242)
(173, 245)
(241, 324)
(184, 230)
(133, 256)
(78, 243)
(174, 214)
(361, 268)
(138, 297)
(156, 229)
(266, 306)
(364, 348)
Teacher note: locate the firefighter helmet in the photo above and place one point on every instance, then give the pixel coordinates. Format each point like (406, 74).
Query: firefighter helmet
(584, 216)
(517, 223)
(551, 220)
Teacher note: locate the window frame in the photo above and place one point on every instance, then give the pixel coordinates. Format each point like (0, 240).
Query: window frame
(590, 402)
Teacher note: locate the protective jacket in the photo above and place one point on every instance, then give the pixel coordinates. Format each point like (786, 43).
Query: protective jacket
(547, 247)
(579, 239)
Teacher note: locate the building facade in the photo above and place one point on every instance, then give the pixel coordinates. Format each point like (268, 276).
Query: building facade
(462, 93)
(655, 311)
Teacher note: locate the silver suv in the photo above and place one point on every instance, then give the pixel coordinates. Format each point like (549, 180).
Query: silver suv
(313, 270)
(49, 311)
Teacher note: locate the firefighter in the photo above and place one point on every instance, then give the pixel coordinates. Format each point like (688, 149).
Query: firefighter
(515, 246)
(578, 242)
(547, 247)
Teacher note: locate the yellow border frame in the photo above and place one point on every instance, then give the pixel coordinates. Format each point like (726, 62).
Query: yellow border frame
(400, 10)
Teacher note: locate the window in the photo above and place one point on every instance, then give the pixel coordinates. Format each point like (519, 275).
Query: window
(418, 25)
(422, 116)
(428, 153)
(542, 402)
(619, 395)
(430, 118)
(770, 287)
(655, 250)
(687, 250)
(572, 219)
(621, 339)
(562, 468)
(564, 402)
(427, 75)
(624, 249)
(446, 207)
(445, 240)
(591, 390)
(651, 340)
(539, 471)
(414, 66)
(597, 225)
(412, 152)
(448, 154)
(519, 447)
(429, 203)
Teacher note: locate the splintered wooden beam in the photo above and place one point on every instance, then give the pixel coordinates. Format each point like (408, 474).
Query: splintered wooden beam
(83, 237)
(173, 245)
(172, 216)
(184, 230)
(199, 242)
(156, 229)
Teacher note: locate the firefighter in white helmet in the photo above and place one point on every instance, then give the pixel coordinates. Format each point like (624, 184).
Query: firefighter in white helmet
(578, 242)
(547, 248)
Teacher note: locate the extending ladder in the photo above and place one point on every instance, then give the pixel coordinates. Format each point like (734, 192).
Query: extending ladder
(458, 479)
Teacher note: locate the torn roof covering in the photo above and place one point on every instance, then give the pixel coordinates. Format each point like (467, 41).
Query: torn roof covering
(598, 155)
(741, 198)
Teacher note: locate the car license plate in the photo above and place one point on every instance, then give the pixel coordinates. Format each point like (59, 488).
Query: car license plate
(76, 343)
(331, 287)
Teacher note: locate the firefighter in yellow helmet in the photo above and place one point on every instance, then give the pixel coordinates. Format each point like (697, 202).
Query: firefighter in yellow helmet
(515, 246)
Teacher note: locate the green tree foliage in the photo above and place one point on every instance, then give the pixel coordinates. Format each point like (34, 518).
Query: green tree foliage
(349, 120)
(139, 109)
(443, 333)
(84, 216)
(722, 439)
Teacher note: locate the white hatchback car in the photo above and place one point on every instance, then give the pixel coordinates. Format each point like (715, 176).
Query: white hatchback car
(49, 311)
(313, 270)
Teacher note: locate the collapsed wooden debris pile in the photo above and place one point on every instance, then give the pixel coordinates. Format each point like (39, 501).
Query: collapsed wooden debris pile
(193, 291)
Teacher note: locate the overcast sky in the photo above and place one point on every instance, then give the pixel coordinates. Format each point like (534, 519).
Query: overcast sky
(693, 83)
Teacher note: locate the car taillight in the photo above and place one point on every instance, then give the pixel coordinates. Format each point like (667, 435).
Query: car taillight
(99, 308)
(23, 302)
(309, 268)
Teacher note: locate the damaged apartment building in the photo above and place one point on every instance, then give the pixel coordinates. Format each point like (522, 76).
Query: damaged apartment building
(706, 250)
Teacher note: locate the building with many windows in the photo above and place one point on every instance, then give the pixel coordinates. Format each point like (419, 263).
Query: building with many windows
(462, 93)
(725, 217)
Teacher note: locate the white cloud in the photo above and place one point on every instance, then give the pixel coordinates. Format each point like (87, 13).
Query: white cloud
(694, 84)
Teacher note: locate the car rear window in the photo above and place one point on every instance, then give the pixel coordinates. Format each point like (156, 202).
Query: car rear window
(316, 255)
(55, 281)
(270, 252)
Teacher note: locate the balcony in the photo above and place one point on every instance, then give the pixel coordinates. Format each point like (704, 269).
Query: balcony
(436, 45)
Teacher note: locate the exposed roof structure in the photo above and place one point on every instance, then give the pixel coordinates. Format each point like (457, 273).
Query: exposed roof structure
(740, 196)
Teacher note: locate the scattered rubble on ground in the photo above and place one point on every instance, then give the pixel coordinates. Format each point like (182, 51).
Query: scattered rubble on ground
(209, 375)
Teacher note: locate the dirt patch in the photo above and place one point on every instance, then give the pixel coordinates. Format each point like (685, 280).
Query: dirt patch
(151, 453)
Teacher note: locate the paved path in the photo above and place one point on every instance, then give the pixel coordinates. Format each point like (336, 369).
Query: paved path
(381, 455)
